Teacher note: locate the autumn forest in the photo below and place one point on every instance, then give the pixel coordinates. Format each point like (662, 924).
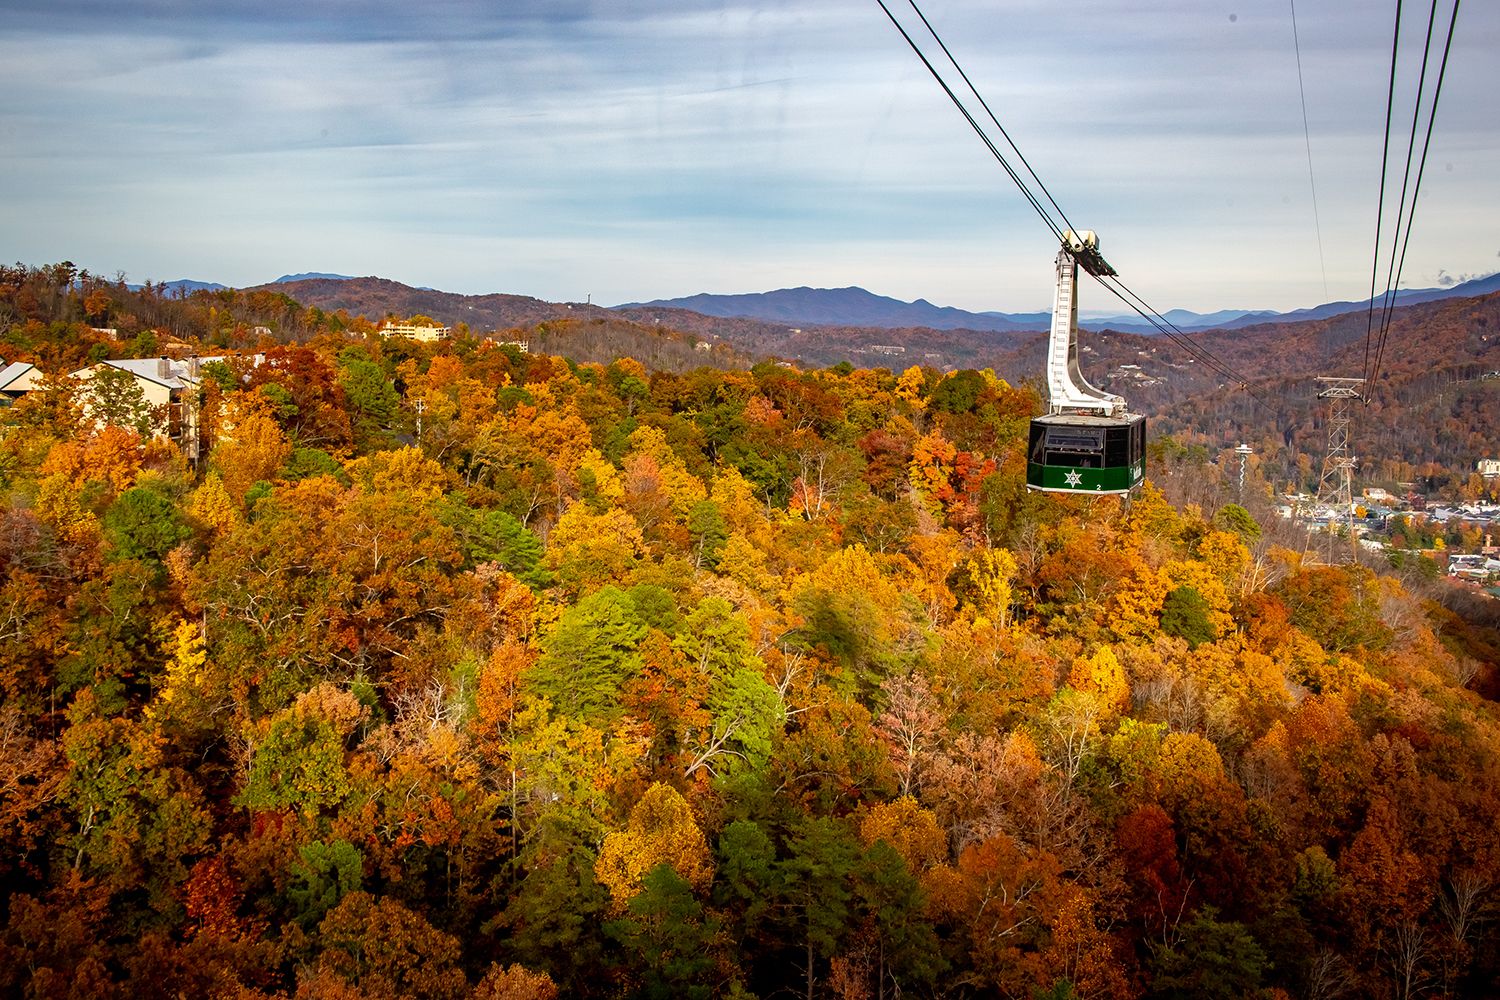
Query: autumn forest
(451, 670)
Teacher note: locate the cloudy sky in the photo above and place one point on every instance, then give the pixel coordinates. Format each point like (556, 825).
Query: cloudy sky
(619, 151)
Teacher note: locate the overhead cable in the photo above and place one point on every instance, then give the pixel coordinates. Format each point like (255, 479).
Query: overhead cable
(1307, 140)
(1057, 226)
(982, 103)
(1385, 152)
(1179, 337)
(978, 129)
(1393, 284)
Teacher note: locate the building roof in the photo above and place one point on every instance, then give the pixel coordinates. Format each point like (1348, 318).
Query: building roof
(150, 369)
(178, 372)
(15, 372)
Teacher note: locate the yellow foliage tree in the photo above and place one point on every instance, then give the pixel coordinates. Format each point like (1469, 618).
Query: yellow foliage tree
(1229, 669)
(681, 487)
(555, 430)
(745, 562)
(867, 393)
(736, 499)
(1337, 674)
(1102, 676)
(1226, 555)
(661, 830)
(854, 569)
(57, 505)
(910, 386)
(1188, 760)
(1301, 655)
(184, 668)
(588, 550)
(911, 830)
(851, 582)
(989, 573)
(212, 505)
(933, 558)
(404, 473)
(1213, 666)
(514, 982)
(448, 393)
(608, 487)
(994, 382)
(1135, 611)
(112, 455)
(1152, 517)
(251, 444)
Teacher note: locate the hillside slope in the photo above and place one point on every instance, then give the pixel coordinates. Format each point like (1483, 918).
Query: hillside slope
(455, 672)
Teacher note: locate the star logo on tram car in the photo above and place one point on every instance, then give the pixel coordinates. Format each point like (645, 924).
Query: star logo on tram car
(1073, 478)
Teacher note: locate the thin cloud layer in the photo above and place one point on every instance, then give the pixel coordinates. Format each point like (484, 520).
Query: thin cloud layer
(575, 149)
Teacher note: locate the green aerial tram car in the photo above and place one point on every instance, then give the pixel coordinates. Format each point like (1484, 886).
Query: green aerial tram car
(1070, 453)
(1088, 442)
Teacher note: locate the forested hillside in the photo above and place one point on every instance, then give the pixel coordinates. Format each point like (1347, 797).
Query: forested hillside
(1430, 417)
(61, 319)
(614, 681)
(1429, 393)
(375, 298)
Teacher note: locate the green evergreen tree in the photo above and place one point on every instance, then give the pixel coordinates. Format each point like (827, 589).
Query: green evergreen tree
(143, 524)
(909, 953)
(305, 463)
(1212, 960)
(1184, 613)
(1233, 517)
(114, 397)
(374, 405)
(958, 393)
(590, 654)
(709, 533)
(747, 881)
(323, 875)
(495, 536)
(669, 938)
(554, 921)
(817, 889)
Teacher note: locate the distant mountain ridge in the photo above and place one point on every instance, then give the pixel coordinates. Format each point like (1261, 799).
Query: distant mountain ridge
(182, 286)
(311, 275)
(185, 286)
(1436, 400)
(850, 307)
(376, 298)
(854, 306)
(1406, 297)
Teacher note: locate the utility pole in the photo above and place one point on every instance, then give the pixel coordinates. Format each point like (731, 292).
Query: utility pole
(1336, 488)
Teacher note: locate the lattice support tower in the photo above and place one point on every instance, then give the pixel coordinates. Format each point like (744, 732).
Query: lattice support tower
(1336, 489)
